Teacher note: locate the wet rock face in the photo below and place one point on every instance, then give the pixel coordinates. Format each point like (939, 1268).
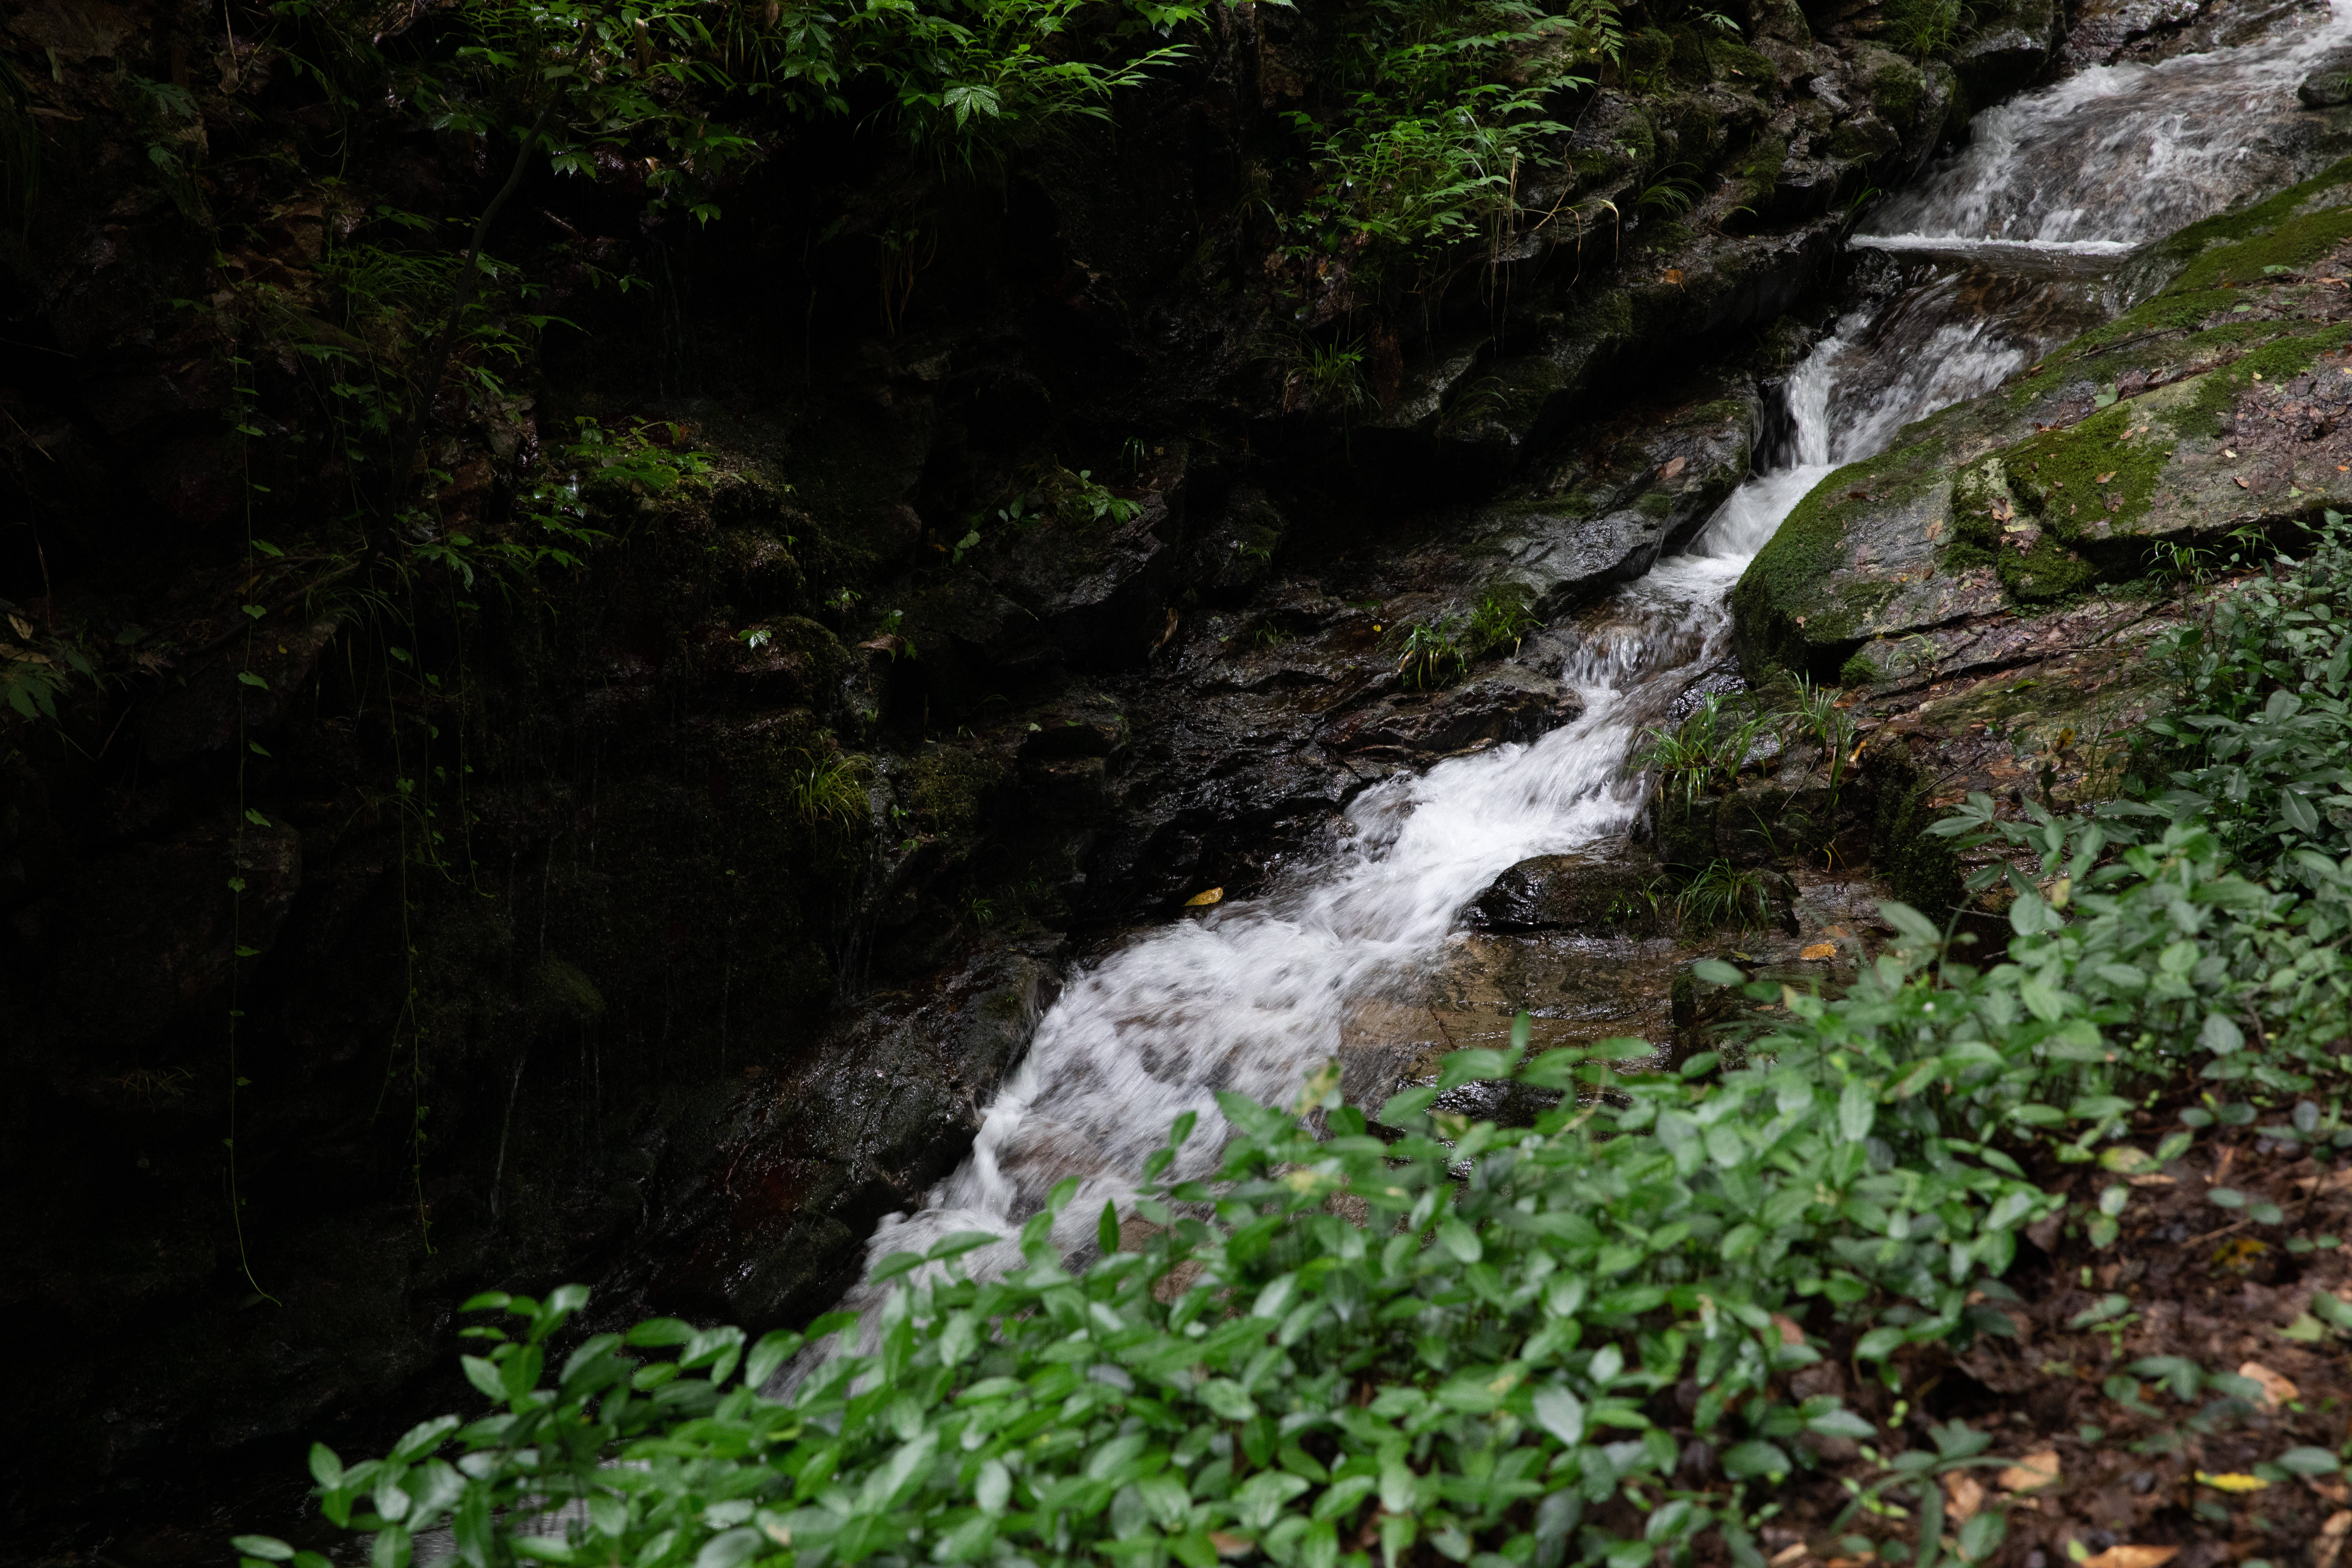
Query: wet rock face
(2142, 32)
(1619, 496)
(2330, 85)
(770, 1226)
(2219, 404)
(1610, 889)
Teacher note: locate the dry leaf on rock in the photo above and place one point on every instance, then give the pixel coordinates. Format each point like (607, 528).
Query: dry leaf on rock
(1789, 1554)
(1820, 950)
(2231, 1481)
(2276, 1390)
(2132, 1557)
(1964, 1497)
(2036, 1469)
(1198, 900)
(1790, 1334)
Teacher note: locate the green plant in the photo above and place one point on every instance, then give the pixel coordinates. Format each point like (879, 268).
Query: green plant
(1706, 750)
(830, 791)
(1501, 616)
(1923, 28)
(1433, 654)
(35, 670)
(1723, 898)
(1423, 158)
(2181, 561)
(1673, 192)
(1335, 1348)
(1332, 374)
(1813, 716)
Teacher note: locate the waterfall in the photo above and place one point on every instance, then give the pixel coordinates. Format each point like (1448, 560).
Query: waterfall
(1253, 997)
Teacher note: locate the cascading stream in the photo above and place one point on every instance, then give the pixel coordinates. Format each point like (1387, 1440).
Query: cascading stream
(1253, 997)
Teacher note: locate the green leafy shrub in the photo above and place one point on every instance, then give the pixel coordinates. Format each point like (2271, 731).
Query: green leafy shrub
(1329, 1348)
(1449, 102)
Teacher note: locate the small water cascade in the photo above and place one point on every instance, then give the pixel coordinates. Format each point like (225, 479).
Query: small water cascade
(2020, 227)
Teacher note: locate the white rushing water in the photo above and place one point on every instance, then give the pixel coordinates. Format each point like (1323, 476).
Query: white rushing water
(1253, 997)
(2120, 153)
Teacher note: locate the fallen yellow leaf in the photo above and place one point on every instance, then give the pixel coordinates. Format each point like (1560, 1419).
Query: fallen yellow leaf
(2034, 1471)
(1820, 950)
(1198, 900)
(2231, 1482)
(2132, 1557)
(1964, 1495)
(2103, 478)
(2276, 1390)
(1788, 1555)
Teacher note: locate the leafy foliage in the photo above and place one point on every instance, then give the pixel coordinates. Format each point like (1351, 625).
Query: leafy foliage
(36, 669)
(1449, 102)
(1328, 1347)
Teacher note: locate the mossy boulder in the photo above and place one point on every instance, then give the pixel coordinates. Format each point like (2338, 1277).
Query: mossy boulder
(2220, 407)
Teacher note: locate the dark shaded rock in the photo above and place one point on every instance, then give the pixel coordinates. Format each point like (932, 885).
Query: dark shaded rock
(1605, 509)
(2329, 85)
(1511, 704)
(153, 932)
(788, 660)
(211, 705)
(770, 1226)
(1234, 549)
(2012, 44)
(1616, 889)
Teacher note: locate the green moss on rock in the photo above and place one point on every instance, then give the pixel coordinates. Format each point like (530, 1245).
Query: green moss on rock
(947, 786)
(2217, 395)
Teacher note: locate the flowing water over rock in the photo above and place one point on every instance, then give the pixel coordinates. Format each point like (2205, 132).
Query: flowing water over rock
(1256, 995)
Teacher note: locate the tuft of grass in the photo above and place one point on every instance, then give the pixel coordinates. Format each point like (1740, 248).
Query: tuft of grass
(1333, 374)
(1501, 616)
(1923, 28)
(1706, 751)
(1433, 654)
(830, 791)
(1722, 898)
